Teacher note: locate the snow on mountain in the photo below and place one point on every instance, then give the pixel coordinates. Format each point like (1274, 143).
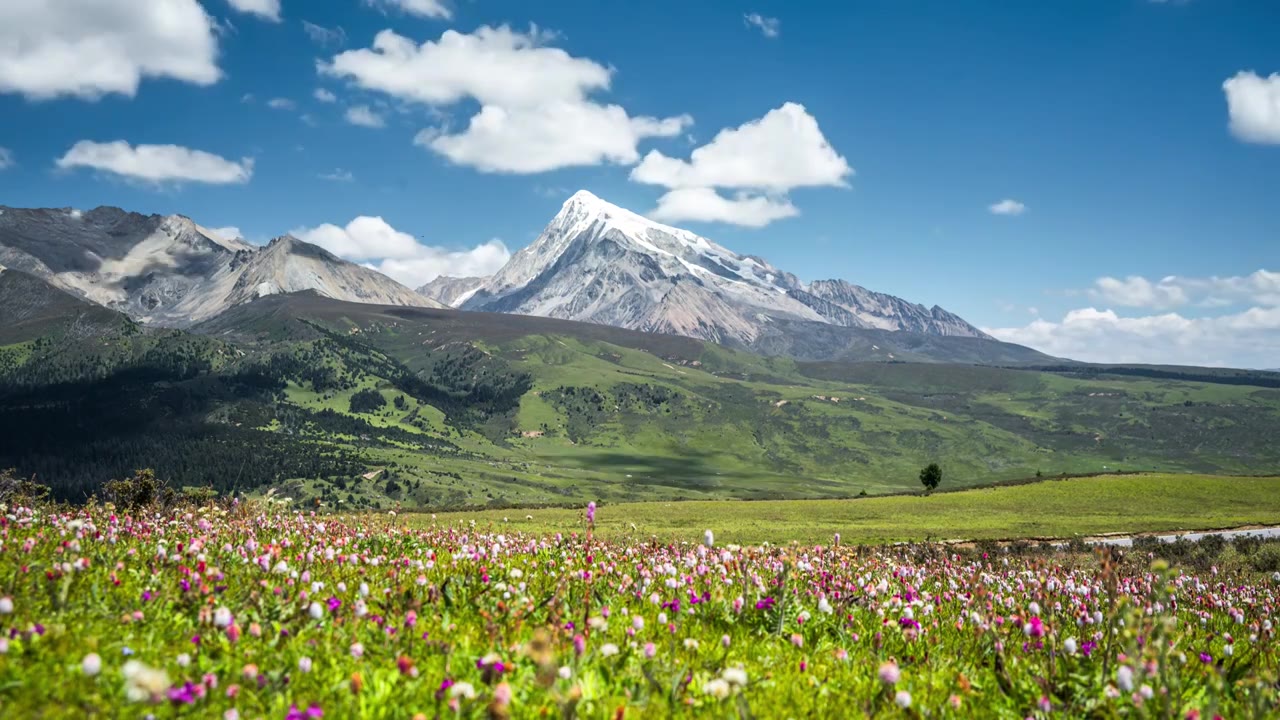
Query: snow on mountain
(600, 263)
(169, 270)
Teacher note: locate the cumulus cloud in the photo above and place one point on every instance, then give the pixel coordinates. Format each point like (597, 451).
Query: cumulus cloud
(769, 27)
(156, 163)
(422, 8)
(768, 157)
(6, 158)
(338, 175)
(1261, 287)
(785, 149)
(265, 9)
(280, 103)
(535, 114)
(547, 137)
(401, 256)
(1253, 106)
(324, 96)
(707, 205)
(1250, 338)
(90, 48)
(1007, 207)
(363, 116)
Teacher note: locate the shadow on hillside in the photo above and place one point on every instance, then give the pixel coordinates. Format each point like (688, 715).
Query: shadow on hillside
(682, 468)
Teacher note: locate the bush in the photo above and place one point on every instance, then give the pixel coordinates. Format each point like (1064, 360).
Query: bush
(1267, 558)
(143, 490)
(14, 489)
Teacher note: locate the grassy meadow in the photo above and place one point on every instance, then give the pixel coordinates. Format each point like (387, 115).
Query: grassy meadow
(1057, 509)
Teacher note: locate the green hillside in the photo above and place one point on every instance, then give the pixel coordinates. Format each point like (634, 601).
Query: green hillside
(359, 405)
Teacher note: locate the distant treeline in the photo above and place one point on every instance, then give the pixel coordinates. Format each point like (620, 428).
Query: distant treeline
(1224, 377)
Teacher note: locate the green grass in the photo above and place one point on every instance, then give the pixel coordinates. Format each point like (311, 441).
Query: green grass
(1047, 509)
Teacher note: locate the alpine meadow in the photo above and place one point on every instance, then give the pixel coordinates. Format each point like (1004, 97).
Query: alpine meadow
(435, 359)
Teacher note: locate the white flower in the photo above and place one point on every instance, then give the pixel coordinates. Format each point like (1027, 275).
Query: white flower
(1228, 650)
(1069, 646)
(304, 664)
(142, 682)
(903, 699)
(462, 690)
(232, 714)
(316, 610)
(6, 605)
(1034, 608)
(183, 660)
(1146, 692)
(1124, 678)
(608, 650)
(357, 650)
(691, 643)
(565, 673)
(824, 606)
(222, 617)
(91, 665)
(735, 676)
(708, 539)
(717, 688)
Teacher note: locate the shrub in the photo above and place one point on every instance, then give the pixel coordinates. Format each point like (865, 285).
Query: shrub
(143, 490)
(931, 476)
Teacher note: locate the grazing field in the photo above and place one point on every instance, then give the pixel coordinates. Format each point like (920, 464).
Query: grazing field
(1046, 509)
(257, 611)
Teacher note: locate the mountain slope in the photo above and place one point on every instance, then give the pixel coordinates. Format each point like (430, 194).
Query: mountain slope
(31, 308)
(168, 270)
(600, 263)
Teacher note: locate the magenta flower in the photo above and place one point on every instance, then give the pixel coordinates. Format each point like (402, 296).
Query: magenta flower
(333, 603)
(591, 512)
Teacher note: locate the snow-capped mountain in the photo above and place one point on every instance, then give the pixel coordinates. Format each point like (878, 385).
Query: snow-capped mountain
(600, 263)
(167, 270)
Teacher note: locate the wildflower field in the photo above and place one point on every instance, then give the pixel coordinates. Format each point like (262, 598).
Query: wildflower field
(249, 611)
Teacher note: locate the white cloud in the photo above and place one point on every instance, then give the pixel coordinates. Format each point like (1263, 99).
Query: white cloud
(785, 149)
(1253, 104)
(363, 116)
(422, 8)
(399, 255)
(156, 163)
(1261, 287)
(280, 103)
(768, 26)
(547, 137)
(324, 36)
(265, 9)
(1007, 207)
(767, 157)
(1246, 339)
(89, 48)
(707, 205)
(535, 112)
(324, 95)
(338, 175)
(6, 158)
(227, 233)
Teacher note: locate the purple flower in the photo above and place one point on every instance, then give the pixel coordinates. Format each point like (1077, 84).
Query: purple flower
(333, 603)
(765, 604)
(184, 695)
(444, 688)
(1206, 658)
(185, 584)
(591, 512)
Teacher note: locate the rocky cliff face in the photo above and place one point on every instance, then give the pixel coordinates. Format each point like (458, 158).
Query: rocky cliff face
(168, 270)
(600, 263)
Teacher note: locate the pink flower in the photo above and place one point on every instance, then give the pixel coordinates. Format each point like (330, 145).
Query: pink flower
(889, 673)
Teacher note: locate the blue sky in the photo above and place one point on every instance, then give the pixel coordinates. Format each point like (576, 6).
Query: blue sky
(1140, 141)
